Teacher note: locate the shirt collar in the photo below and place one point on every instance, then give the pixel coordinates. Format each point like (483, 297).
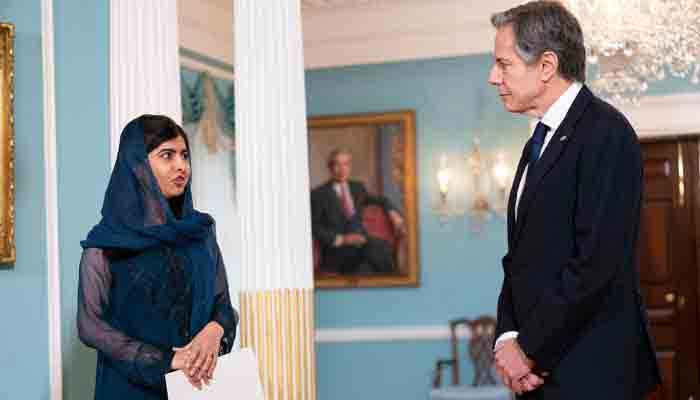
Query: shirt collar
(336, 185)
(557, 111)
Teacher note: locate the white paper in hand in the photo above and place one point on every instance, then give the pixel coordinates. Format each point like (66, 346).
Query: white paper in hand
(236, 377)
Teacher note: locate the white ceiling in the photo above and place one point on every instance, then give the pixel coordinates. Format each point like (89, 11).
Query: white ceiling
(310, 4)
(349, 32)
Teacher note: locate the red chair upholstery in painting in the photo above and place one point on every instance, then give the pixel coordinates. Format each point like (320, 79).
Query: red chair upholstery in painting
(376, 222)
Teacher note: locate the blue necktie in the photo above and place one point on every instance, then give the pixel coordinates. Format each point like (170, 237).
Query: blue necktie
(536, 144)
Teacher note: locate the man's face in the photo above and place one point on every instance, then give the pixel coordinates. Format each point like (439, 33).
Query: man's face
(340, 167)
(518, 84)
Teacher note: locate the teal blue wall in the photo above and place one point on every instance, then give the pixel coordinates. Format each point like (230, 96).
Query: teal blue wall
(82, 121)
(24, 355)
(446, 96)
(460, 274)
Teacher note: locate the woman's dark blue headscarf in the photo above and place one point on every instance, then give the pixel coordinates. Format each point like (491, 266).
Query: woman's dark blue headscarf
(137, 217)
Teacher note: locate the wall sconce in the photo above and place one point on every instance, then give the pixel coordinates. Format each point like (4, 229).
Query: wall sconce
(448, 191)
(475, 185)
(502, 177)
(479, 208)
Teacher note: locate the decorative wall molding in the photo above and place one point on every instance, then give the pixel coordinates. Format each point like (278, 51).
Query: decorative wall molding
(206, 27)
(51, 199)
(669, 115)
(201, 62)
(388, 333)
(311, 4)
(660, 116)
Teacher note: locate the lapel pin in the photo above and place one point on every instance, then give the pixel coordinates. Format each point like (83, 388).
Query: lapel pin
(563, 138)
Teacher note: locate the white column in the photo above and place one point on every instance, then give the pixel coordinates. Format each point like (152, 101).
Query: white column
(273, 196)
(51, 198)
(144, 62)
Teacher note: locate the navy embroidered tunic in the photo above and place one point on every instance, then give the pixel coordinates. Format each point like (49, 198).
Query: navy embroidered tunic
(150, 280)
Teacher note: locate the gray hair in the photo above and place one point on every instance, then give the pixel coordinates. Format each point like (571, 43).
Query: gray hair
(541, 26)
(335, 153)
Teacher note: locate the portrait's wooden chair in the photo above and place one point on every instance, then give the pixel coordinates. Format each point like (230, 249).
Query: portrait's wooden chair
(485, 384)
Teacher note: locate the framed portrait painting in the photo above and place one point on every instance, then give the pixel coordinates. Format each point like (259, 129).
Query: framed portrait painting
(7, 177)
(362, 169)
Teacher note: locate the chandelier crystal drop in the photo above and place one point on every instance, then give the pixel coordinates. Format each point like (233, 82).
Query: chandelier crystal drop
(631, 43)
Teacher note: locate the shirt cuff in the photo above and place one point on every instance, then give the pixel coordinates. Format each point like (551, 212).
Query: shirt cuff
(505, 336)
(338, 241)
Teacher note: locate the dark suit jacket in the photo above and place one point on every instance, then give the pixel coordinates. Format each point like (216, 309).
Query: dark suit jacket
(327, 217)
(571, 285)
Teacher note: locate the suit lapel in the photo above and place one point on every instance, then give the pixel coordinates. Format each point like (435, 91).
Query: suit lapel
(354, 193)
(514, 193)
(551, 154)
(333, 198)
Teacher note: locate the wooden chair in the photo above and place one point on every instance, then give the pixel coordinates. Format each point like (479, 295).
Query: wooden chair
(485, 384)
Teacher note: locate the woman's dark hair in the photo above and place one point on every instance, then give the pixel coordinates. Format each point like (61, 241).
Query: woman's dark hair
(158, 129)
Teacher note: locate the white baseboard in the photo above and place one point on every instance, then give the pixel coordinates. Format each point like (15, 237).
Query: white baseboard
(388, 333)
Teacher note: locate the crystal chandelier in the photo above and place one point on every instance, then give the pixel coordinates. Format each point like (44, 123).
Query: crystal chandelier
(631, 43)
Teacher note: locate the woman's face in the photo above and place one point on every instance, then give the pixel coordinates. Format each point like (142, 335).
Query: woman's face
(170, 163)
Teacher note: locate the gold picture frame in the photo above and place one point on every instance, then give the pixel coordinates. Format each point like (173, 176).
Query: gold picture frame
(7, 143)
(396, 163)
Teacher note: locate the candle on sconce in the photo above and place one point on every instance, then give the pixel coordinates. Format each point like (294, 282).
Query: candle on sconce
(501, 171)
(443, 177)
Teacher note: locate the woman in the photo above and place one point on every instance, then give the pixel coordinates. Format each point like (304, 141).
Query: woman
(153, 295)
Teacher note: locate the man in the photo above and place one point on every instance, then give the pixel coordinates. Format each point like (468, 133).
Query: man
(336, 214)
(571, 324)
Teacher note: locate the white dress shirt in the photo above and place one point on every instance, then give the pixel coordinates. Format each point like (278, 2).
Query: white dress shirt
(339, 191)
(552, 118)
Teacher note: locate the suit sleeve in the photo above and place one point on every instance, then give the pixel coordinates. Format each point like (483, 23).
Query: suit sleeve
(506, 315)
(319, 229)
(380, 201)
(606, 221)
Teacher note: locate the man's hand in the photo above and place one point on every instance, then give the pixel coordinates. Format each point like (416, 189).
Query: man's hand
(525, 384)
(353, 239)
(397, 222)
(530, 382)
(514, 368)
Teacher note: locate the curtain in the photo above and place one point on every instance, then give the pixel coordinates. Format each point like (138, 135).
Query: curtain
(209, 121)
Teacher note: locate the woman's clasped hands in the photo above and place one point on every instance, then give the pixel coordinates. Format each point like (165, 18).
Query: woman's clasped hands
(197, 360)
